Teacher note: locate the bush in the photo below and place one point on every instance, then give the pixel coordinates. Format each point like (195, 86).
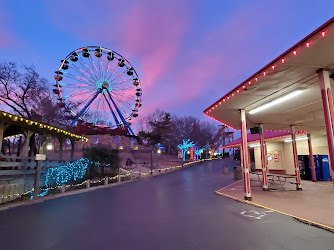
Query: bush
(105, 156)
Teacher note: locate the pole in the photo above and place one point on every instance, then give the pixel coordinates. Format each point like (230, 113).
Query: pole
(313, 174)
(151, 161)
(244, 156)
(327, 103)
(263, 160)
(295, 157)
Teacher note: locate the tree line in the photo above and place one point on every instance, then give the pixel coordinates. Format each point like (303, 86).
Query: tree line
(170, 130)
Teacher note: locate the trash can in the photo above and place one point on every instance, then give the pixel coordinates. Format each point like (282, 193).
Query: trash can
(225, 169)
(237, 173)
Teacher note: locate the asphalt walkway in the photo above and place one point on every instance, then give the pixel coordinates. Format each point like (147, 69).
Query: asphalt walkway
(178, 210)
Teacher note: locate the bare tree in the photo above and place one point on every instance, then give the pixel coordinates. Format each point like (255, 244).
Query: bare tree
(22, 92)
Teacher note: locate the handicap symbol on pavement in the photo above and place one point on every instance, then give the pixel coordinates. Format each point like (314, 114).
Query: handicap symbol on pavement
(255, 214)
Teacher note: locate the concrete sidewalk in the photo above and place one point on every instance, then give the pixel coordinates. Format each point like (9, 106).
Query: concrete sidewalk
(314, 204)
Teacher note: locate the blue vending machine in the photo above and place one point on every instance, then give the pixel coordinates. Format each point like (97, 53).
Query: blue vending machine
(325, 168)
(321, 167)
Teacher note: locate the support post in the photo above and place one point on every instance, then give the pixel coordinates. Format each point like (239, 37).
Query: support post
(263, 160)
(119, 175)
(88, 183)
(244, 155)
(295, 157)
(39, 168)
(313, 174)
(2, 129)
(151, 161)
(63, 187)
(72, 149)
(327, 103)
(106, 180)
(25, 151)
(61, 146)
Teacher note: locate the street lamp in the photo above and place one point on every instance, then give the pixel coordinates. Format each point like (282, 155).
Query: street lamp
(49, 146)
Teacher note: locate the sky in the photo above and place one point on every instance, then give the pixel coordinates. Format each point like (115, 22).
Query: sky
(187, 53)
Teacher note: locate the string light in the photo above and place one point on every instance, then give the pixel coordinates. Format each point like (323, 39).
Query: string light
(41, 125)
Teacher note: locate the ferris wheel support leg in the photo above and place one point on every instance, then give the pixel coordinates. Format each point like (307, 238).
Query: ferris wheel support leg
(85, 108)
(120, 114)
(112, 111)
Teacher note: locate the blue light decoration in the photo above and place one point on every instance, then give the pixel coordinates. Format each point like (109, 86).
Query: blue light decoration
(65, 173)
(199, 150)
(185, 146)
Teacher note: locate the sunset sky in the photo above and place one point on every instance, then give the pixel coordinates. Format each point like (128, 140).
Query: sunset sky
(188, 53)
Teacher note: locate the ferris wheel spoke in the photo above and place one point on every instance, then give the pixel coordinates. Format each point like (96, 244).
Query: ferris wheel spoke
(80, 71)
(101, 67)
(78, 104)
(79, 78)
(118, 76)
(126, 96)
(113, 72)
(122, 82)
(95, 67)
(119, 104)
(77, 94)
(86, 107)
(91, 68)
(84, 65)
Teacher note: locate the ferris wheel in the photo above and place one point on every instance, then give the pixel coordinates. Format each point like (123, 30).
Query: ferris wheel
(98, 86)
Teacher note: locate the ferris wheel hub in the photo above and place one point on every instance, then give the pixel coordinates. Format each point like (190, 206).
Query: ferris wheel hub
(105, 85)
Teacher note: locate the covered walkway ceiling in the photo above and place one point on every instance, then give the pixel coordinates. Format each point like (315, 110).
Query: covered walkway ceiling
(294, 70)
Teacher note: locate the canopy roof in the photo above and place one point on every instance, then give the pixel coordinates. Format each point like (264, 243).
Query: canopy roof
(267, 134)
(17, 124)
(295, 69)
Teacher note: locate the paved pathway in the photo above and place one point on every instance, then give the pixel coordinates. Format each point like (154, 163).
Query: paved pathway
(178, 210)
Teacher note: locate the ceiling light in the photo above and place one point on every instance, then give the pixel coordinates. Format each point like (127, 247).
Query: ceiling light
(297, 139)
(277, 101)
(254, 145)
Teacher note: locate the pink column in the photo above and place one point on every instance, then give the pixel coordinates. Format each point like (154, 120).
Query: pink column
(314, 177)
(295, 157)
(244, 156)
(263, 160)
(327, 103)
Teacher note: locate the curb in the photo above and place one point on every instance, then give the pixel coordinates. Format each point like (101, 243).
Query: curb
(305, 221)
